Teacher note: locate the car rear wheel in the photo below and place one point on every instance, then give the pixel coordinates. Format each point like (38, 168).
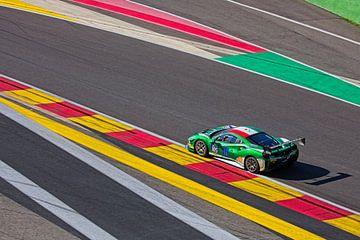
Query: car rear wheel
(292, 160)
(252, 165)
(201, 148)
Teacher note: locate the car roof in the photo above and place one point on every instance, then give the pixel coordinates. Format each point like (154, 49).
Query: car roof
(245, 131)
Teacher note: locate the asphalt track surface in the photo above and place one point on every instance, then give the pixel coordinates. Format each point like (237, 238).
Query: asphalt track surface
(316, 49)
(176, 94)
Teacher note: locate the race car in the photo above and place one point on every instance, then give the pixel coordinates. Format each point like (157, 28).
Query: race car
(252, 148)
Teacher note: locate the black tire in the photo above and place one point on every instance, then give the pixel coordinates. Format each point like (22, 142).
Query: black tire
(252, 165)
(201, 148)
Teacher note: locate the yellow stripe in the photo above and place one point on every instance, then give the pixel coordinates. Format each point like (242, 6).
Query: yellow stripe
(100, 123)
(266, 189)
(176, 154)
(17, 4)
(239, 208)
(349, 223)
(32, 96)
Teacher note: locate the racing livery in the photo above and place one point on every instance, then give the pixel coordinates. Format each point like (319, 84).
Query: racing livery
(253, 149)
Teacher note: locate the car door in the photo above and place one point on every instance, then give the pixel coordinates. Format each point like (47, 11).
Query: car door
(227, 146)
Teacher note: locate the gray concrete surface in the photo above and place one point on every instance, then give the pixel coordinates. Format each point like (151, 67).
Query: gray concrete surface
(18, 222)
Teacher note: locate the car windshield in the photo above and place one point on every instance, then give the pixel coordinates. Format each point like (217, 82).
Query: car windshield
(263, 139)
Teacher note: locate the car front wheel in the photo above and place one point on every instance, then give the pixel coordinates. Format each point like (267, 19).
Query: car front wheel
(201, 148)
(252, 165)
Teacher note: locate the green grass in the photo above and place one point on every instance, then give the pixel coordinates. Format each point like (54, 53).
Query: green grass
(348, 9)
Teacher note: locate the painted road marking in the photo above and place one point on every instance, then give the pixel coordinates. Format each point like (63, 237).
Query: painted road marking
(219, 170)
(93, 19)
(296, 22)
(177, 153)
(32, 96)
(100, 123)
(8, 85)
(138, 138)
(20, 5)
(349, 223)
(51, 203)
(305, 204)
(66, 109)
(278, 67)
(266, 189)
(156, 17)
(293, 84)
(108, 170)
(201, 191)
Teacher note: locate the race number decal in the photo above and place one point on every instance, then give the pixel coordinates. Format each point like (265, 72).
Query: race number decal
(214, 148)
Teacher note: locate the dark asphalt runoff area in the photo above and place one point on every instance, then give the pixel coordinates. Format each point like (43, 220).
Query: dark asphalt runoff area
(303, 44)
(176, 94)
(106, 203)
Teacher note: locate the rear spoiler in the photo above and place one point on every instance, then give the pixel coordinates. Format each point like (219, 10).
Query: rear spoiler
(301, 142)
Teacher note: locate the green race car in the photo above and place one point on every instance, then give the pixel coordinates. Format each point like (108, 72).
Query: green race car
(253, 149)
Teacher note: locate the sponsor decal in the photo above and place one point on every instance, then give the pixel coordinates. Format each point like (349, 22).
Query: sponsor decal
(214, 148)
(226, 151)
(240, 160)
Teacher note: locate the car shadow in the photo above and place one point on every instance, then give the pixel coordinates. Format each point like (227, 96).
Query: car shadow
(299, 171)
(302, 171)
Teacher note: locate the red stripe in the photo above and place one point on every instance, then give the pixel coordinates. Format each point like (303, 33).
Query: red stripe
(174, 25)
(66, 109)
(314, 208)
(8, 85)
(139, 139)
(238, 132)
(221, 171)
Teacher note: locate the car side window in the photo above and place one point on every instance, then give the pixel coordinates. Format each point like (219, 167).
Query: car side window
(219, 138)
(233, 139)
(238, 141)
(228, 139)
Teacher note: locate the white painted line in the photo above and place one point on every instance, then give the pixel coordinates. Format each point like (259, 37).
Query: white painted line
(296, 22)
(52, 204)
(134, 185)
(174, 142)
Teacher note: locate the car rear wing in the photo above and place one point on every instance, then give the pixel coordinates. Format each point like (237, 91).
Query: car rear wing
(301, 142)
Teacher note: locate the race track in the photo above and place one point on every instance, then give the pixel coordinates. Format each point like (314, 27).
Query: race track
(175, 94)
